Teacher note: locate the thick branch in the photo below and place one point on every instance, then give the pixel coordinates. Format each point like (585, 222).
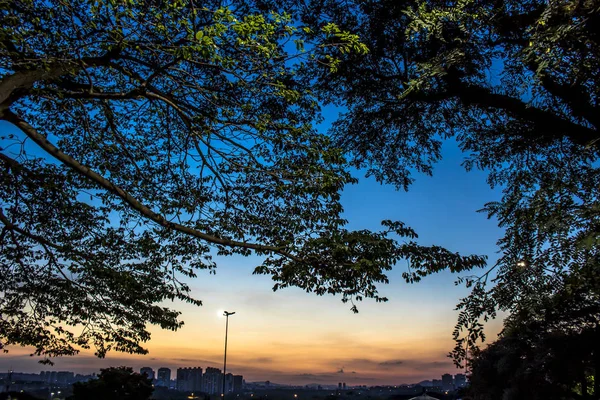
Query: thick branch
(551, 125)
(576, 98)
(134, 203)
(24, 80)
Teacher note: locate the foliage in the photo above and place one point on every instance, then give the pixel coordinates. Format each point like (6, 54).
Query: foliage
(516, 85)
(153, 135)
(548, 350)
(118, 383)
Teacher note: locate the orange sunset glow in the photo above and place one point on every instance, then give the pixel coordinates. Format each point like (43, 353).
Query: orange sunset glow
(297, 338)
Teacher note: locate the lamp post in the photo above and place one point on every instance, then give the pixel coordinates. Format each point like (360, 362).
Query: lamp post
(226, 314)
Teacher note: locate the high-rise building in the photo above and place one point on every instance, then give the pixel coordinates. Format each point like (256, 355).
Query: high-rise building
(65, 377)
(238, 383)
(189, 379)
(343, 385)
(447, 382)
(149, 372)
(460, 380)
(228, 383)
(212, 382)
(339, 385)
(163, 377)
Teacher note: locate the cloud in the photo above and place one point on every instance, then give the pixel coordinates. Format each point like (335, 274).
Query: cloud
(261, 360)
(391, 363)
(194, 360)
(316, 377)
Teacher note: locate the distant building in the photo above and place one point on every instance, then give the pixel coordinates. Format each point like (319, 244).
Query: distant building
(447, 382)
(189, 379)
(84, 378)
(212, 381)
(238, 383)
(163, 377)
(340, 386)
(228, 383)
(460, 380)
(149, 372)
(343, 385)
(65, 377)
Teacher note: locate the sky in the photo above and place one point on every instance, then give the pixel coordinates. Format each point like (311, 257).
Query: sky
(293, 337)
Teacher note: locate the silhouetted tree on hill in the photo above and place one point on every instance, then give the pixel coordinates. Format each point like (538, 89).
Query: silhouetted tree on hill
(119, 383)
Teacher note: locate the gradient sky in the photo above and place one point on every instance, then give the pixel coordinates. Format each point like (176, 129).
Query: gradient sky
(293, 337)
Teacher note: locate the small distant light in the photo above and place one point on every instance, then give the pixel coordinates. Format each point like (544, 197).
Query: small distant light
(295, 395)
(521, 264)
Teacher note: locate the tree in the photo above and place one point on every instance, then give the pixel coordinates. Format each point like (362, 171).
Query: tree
(119, 383)
(547, 350)
(149, 136)
(515, 84)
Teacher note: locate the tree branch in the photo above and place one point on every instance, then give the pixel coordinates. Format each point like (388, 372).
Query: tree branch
(24, 80)
(577, 99)
(551, 125)
(134, 203)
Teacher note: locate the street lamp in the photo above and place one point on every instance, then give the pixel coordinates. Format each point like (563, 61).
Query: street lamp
(226, 314)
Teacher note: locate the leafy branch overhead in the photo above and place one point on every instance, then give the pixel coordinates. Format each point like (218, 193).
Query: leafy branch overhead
(515, 84)
(143, 137)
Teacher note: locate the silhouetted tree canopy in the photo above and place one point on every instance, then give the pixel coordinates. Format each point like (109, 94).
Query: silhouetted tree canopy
(118, 383)
(548, 350)
(140, 138)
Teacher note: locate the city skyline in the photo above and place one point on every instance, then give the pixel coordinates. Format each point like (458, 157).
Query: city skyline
(187, 376)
